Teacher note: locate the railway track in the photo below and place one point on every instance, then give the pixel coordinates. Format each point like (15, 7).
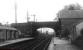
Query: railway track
(32, 44)
(43, 45)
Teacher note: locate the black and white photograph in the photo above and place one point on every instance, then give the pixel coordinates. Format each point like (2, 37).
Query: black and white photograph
(41, 24)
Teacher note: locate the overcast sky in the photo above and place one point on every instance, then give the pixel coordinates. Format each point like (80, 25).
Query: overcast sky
(45, 10)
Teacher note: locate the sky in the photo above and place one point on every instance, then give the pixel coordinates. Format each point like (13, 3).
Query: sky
(45, 10)
(46, 30)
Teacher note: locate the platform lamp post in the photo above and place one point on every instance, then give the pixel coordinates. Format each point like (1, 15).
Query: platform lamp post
(36, 20)
(28, 17)
(34, 17)
(7, 23)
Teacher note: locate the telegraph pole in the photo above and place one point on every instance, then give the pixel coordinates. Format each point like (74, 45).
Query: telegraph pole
(15, 12)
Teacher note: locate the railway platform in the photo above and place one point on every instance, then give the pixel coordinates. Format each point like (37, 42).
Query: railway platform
(61, 44)
(13, 41)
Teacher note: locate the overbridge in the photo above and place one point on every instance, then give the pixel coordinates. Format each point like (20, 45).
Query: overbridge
(32, 27)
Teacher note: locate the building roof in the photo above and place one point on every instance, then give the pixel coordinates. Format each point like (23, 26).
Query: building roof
(5, 27)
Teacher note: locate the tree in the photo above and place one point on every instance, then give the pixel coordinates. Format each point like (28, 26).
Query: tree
(71, 11)
(73, 7)
(0, 24)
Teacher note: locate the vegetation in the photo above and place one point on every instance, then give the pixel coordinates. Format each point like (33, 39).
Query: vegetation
(71, 11)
